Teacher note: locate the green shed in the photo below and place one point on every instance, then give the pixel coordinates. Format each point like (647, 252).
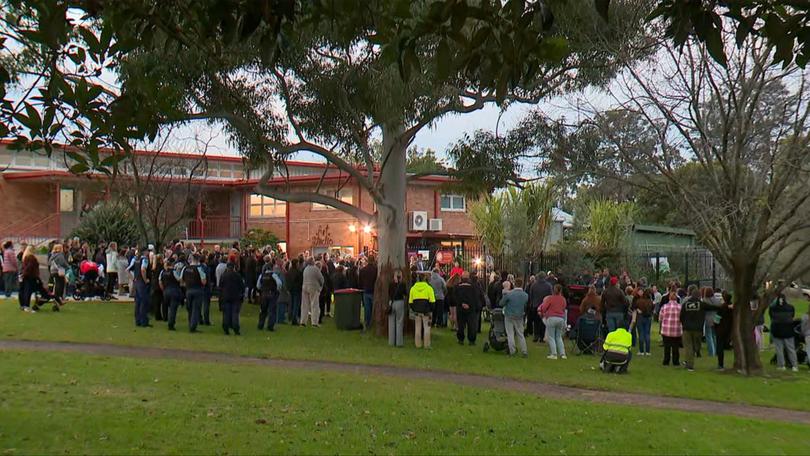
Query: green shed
(661, 237)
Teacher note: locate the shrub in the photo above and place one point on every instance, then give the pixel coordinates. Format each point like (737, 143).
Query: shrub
(259, 238)
(107, 222)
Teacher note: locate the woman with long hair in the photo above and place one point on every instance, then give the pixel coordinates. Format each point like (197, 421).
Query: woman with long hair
(58, 267)
(451, 300)
(397, 294)
(30, 275)
(111, 269)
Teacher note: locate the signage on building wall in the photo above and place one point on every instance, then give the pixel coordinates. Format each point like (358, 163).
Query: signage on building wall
(444, 256)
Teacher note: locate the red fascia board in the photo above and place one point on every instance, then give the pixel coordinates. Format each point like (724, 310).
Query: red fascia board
(68, 175)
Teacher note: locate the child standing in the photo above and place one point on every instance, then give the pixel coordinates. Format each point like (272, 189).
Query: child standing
(671, 329)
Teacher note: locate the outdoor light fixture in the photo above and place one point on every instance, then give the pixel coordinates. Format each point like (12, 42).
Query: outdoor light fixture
(477, 261)
(367, 229)
(352, 228)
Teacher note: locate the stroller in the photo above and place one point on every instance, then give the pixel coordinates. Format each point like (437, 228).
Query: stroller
(588, 334)
(798, 342)
(41, 296)
(497, 332)
(89, 283)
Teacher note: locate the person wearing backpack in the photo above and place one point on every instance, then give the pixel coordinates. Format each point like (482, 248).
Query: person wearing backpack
(194, 280)
(232, 290)
(172, 296)
(693, 318)
(782, 333)
(269, 285)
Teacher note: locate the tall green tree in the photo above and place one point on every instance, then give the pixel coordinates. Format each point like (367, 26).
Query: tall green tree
(334, 88)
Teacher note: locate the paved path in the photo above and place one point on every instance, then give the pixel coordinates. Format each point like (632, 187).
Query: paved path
(544, 390)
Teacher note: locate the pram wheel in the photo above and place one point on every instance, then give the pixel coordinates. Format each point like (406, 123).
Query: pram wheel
(486, 347)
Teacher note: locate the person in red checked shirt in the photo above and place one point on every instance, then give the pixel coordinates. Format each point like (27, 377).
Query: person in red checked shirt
(671, 329)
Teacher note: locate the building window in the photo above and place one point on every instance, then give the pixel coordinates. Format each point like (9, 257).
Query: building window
(264, 206)
(344, 194)
(66, 200)
(453, 203)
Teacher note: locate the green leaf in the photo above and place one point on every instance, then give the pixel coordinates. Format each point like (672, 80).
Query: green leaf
(79, 168)
(714, 44)
(92, 41)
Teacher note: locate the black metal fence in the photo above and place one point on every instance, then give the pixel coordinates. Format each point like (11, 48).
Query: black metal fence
(688, 266)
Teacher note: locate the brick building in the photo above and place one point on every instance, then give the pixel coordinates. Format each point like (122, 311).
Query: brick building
(42, 200)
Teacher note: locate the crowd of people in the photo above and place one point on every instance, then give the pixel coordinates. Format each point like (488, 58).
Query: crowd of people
(299, 291)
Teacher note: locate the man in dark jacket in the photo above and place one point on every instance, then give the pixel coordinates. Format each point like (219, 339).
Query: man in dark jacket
(295, 281)
(782, 332)
(269, 289)
(368, 277)
(467, 297)
(537, 293)
(693, 317)
(232, 290)
(614, 304)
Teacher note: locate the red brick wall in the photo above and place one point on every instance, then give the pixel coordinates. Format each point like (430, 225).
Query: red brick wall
(305, 222)
(26, 202)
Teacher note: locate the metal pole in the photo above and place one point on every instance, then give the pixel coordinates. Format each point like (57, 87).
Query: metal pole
(714, 274)
(686, 263)
(657, 267)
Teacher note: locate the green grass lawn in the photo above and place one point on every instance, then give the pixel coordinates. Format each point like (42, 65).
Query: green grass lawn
(113, 323)
(73, 403)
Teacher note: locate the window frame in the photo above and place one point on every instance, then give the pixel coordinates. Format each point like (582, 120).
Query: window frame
(451, 196)
(72, 200)
(264, 202)
(340, 196)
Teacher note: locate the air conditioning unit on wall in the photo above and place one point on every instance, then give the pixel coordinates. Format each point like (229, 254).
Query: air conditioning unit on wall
(435, 225)
(418, 221)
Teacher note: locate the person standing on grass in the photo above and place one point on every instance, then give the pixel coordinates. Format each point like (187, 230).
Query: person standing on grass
(311, 292)
(439, 291)
(539, 290)
(139, 268)
(155, 292)
(10, 266)
(422, 300)
(268, 286)
(782, 335)
(722, 328)
(671, 329)
(194, 281)
(112, 268)
(294, 284)
(553, 311)
(643, 307)
(693, 318)
(468, 307)
(172, 296)
(615, 306)
(232, 291)
(450, 301)
(514, 305)
(30, 277)
(58, 266)
(396, 317)
(368, 277)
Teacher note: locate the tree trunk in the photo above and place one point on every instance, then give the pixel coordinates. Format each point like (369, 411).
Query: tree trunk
(391, 222)
(746, 352)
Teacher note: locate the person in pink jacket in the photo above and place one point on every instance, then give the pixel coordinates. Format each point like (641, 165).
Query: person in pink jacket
(9, 268)
(553, 311)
